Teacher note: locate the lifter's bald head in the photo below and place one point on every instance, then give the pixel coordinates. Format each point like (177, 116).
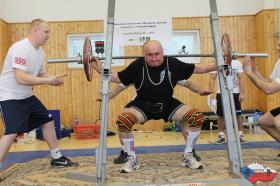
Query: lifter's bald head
(153, 52)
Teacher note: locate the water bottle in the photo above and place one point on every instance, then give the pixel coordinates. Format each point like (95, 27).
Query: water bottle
(76, 121)
(31, 135)
(178, 126)
(173, 126)
(211, 125)
(256, 117)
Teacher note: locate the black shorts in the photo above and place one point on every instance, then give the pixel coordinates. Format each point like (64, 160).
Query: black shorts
(22, 116)
(275, 112)
(236, 103)
(167, 111)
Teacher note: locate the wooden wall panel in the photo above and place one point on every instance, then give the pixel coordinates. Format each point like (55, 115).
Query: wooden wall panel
(4, 41)
(260, 30)
(241, 30)
(79, 96)
(266, 28)
(4, 45)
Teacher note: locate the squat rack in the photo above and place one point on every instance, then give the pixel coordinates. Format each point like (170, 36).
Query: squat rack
(225, 80)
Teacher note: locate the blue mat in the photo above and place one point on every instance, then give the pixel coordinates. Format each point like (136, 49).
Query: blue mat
(20, 157)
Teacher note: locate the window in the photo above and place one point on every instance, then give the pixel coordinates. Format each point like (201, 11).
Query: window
(184, 42)
(76, 43)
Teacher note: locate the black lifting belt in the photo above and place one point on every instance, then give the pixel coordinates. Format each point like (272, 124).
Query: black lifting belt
(150, 107)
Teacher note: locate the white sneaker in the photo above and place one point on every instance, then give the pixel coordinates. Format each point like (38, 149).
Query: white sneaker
(131, 165)
(220, 140)
(189, 161)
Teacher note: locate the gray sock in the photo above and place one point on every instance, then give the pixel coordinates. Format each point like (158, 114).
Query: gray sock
(0, 166)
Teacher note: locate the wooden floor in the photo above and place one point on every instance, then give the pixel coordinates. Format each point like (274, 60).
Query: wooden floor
(141, 139)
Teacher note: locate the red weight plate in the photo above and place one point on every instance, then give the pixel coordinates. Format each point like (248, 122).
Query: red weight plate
(87, 54)
(226, 48)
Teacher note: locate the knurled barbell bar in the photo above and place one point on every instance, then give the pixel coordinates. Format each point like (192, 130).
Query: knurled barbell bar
(87, 58)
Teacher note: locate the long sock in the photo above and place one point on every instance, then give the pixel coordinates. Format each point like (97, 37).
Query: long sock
(0, 166)
(240, 133)
(129, 146)
(191, 140)
(55, 153)
(222, 134)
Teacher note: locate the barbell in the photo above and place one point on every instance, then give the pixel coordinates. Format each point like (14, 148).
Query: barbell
(87, 59)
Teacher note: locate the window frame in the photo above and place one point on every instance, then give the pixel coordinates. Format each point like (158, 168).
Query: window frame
(195, 45)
